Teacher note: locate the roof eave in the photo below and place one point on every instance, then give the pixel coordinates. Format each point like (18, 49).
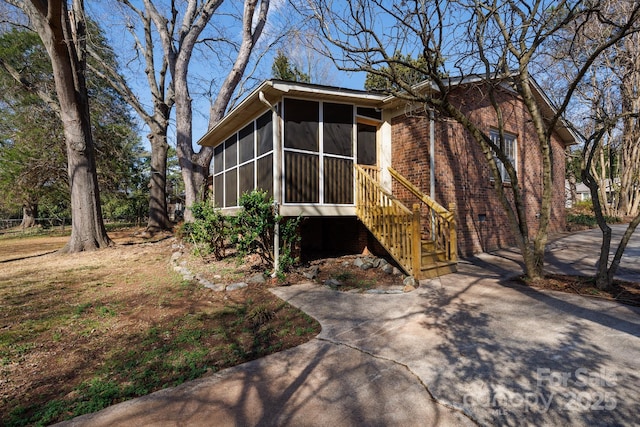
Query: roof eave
(273, 90)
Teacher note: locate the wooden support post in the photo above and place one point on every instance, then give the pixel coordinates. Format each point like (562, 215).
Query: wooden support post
(453, 237)
(416, 242)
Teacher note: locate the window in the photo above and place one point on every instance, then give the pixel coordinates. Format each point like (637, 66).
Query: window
(508, 145)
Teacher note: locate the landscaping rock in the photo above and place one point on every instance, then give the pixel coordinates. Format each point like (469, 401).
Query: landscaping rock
(217, 287)
(366, 266)
(376, 262)
(333, 283)
(312, 273)
(410, 281)
(358, 262)
(181, 270)
(256, 279)
(175, 256)
(236, 286)
(408, 288)
(387, 268)
(397, 271)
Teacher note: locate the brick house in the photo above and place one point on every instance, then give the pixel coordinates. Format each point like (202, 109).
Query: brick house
(354, 164)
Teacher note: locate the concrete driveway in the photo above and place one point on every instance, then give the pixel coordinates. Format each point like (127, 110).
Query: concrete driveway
(467, 348)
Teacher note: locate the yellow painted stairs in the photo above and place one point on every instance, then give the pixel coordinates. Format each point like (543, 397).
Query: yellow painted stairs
(422, 240)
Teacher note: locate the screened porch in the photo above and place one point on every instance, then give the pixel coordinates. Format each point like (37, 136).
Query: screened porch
(311, 170)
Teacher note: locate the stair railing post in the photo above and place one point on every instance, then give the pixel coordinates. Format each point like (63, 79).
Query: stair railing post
(416, 244)
(453, 237)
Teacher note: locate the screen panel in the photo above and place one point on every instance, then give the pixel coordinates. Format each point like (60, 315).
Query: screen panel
(302, 176)
(338, 181)
(245, 143)
(337, 129)
(367, 147)
(231, 152)
(301, 124)
(231, 188)
(264, 171)
(264, 133)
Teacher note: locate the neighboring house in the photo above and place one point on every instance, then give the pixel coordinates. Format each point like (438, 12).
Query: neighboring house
(583, 193)
(355, 163)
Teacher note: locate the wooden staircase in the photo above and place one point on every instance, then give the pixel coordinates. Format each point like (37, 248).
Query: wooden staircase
(423, 248)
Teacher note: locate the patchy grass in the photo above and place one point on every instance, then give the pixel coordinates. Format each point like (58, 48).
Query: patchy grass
(83, 331)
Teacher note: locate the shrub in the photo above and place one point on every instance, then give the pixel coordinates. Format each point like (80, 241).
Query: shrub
(590, 220)
(254, 232)
(583, 206)
(582, 219)
(208, 232)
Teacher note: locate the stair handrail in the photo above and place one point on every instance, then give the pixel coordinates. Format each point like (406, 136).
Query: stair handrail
(438, 208)
(448, 215)
(389, 228)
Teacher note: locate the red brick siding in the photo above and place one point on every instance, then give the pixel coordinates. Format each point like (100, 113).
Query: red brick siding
(462, 175)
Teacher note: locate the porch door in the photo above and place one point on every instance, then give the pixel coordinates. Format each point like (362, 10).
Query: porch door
(367, 147)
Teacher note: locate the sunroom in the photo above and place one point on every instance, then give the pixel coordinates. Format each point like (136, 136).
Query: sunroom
(299, 143)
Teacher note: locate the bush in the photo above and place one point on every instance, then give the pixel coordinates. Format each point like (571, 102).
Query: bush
(582, 219)
(254, 230)
(208, 232)
(583, 206)
(590, 220)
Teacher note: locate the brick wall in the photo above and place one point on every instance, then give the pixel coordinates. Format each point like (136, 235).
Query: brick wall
(463, 176)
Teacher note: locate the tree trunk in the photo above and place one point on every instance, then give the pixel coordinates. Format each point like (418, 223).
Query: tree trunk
(158, 217)
(87, 228)
(29, 214)
(194, 166)
(52, 22)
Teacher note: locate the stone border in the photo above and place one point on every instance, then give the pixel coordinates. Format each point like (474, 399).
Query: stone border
(180, 267)
(364, 262)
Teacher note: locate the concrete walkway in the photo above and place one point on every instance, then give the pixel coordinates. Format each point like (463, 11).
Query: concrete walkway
(467, 348)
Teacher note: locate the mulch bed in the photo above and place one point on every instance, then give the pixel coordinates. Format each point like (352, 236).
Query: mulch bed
(621, 291)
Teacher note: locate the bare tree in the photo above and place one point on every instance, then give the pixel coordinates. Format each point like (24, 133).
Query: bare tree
(609, 125)
(178, 42)
(495, 41)
(606, 267)
(158, 119)
(63, 34)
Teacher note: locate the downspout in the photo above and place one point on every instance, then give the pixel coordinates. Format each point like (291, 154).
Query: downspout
(432, 166)
(276, 189)
(432, 156)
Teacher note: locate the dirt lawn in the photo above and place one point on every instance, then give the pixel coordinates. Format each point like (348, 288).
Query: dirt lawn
(83, 331)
